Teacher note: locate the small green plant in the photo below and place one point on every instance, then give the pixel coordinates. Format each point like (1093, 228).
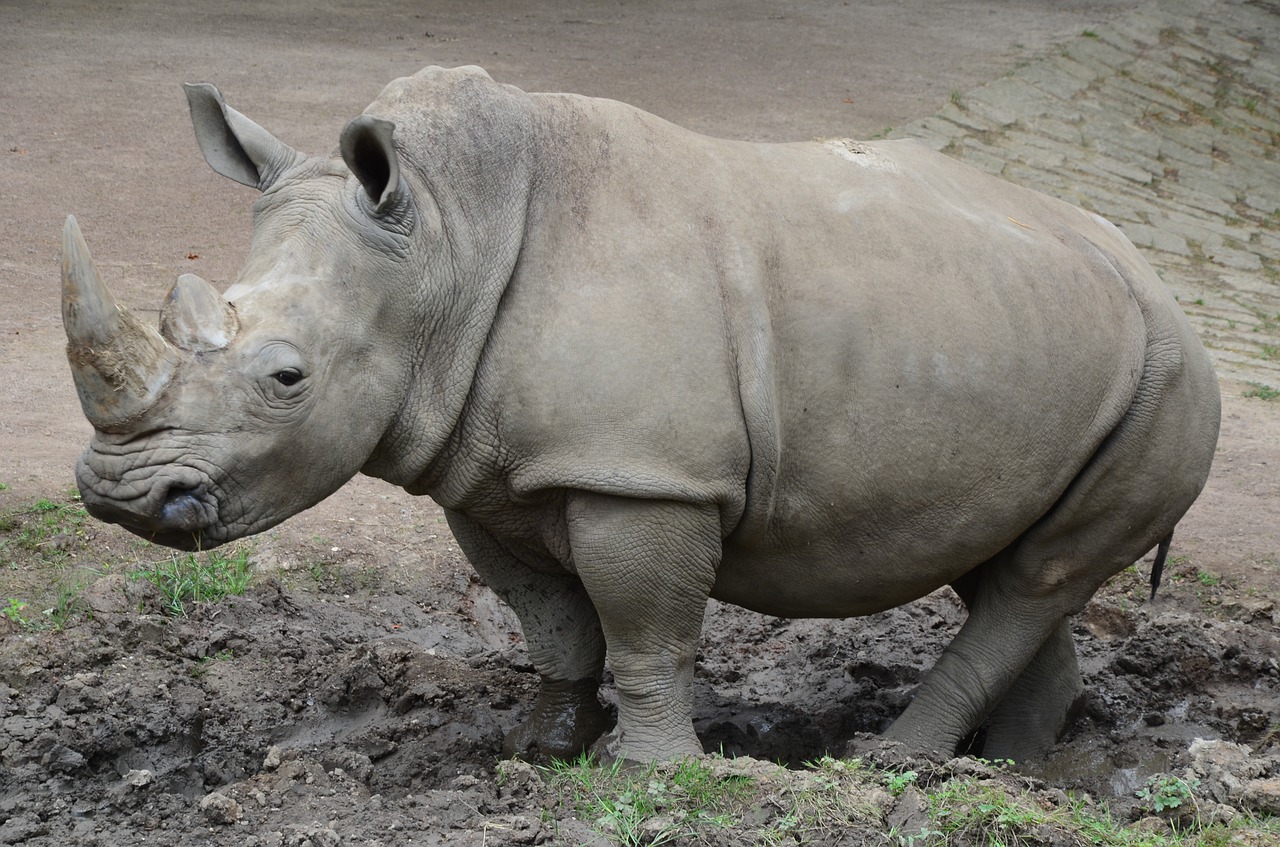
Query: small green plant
(1088, 33)
(957, 99)
(66, 604)
(45, 528)
(1165, 791)
(970, 812)
(199, 577)
(202, 665)
(16, 611)
(1207, 579)
(918, 839)
(898, 782)
(1261, 391)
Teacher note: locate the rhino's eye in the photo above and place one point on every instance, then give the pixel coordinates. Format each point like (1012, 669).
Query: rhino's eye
(288, 377)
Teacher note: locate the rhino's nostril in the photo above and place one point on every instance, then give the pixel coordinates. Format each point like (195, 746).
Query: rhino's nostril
(183, 510)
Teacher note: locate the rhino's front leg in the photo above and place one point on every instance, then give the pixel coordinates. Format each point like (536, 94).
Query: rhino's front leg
(649, 566)
(565, 644)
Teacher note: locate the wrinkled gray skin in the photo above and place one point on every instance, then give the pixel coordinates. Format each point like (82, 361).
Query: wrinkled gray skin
(640, 367)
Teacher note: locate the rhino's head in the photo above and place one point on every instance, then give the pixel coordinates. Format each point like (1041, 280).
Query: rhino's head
(245, 409)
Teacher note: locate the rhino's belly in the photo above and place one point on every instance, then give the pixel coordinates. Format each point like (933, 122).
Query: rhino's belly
(857, 526)
(844, 574)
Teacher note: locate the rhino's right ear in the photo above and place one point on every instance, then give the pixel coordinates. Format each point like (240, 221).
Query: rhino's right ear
(367, 146)
(233, 145)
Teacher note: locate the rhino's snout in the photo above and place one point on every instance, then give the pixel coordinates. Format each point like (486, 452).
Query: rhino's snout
(174, 514)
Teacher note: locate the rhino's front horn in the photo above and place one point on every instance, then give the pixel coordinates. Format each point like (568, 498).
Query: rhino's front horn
(196, 317)
(121, 365)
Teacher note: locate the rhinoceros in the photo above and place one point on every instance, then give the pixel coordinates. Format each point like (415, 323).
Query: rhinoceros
(639, 367)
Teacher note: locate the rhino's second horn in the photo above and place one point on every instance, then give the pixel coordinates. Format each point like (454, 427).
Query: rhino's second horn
(195, 316)
(121, 365)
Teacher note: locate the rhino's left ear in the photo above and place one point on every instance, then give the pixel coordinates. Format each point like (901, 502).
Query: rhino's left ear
(233, 145)
(367, 148)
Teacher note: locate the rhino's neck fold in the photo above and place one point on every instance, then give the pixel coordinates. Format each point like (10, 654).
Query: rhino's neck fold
(474, 183)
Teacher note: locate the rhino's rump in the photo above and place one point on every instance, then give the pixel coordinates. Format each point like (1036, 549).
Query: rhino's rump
(941, 371)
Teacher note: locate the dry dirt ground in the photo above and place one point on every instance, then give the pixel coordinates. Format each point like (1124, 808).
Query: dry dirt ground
(358, 692)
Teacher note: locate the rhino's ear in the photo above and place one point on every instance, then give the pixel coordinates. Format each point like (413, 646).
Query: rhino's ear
(233, 145)
(367, 148)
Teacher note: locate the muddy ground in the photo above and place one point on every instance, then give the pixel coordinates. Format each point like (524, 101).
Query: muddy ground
(358, 692)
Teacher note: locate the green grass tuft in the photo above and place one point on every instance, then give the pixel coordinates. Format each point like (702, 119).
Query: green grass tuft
(193, 578)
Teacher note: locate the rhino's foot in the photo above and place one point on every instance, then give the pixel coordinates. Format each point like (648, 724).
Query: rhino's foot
(613, 749)
(566, 720)
(889, 754)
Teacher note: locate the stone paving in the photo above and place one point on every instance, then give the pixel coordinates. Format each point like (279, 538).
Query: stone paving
(1167, 123)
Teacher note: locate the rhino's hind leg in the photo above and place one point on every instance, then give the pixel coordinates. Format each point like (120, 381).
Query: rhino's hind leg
(1047, 696)
(1042, 702)
(1000, 639)
(1125, 500)
(565, 643)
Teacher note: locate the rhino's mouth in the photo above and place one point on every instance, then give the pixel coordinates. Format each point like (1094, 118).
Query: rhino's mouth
(175, 507)
(181, 521)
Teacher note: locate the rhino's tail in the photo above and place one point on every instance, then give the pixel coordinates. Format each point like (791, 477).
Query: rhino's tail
(1157, 567)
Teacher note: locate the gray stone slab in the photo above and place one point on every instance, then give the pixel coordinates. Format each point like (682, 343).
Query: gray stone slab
(1094, 53)
(982, 157)
(1174, 148)
(969, 120)
(1182, 52)
(1268, 241)
(1262, 73)
(1005, 100)
(1141, 28)
(1054, 130)
(1086, 73)
(1213, 183)
(1202, 136)
(1156, 238)
(1046, 77)
(1238, 259)
(1260, 119)
(1105, 165)
(1198, 236)
(1156, 69)
(1143, 97)
(1218, 42)
(1135, 147)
